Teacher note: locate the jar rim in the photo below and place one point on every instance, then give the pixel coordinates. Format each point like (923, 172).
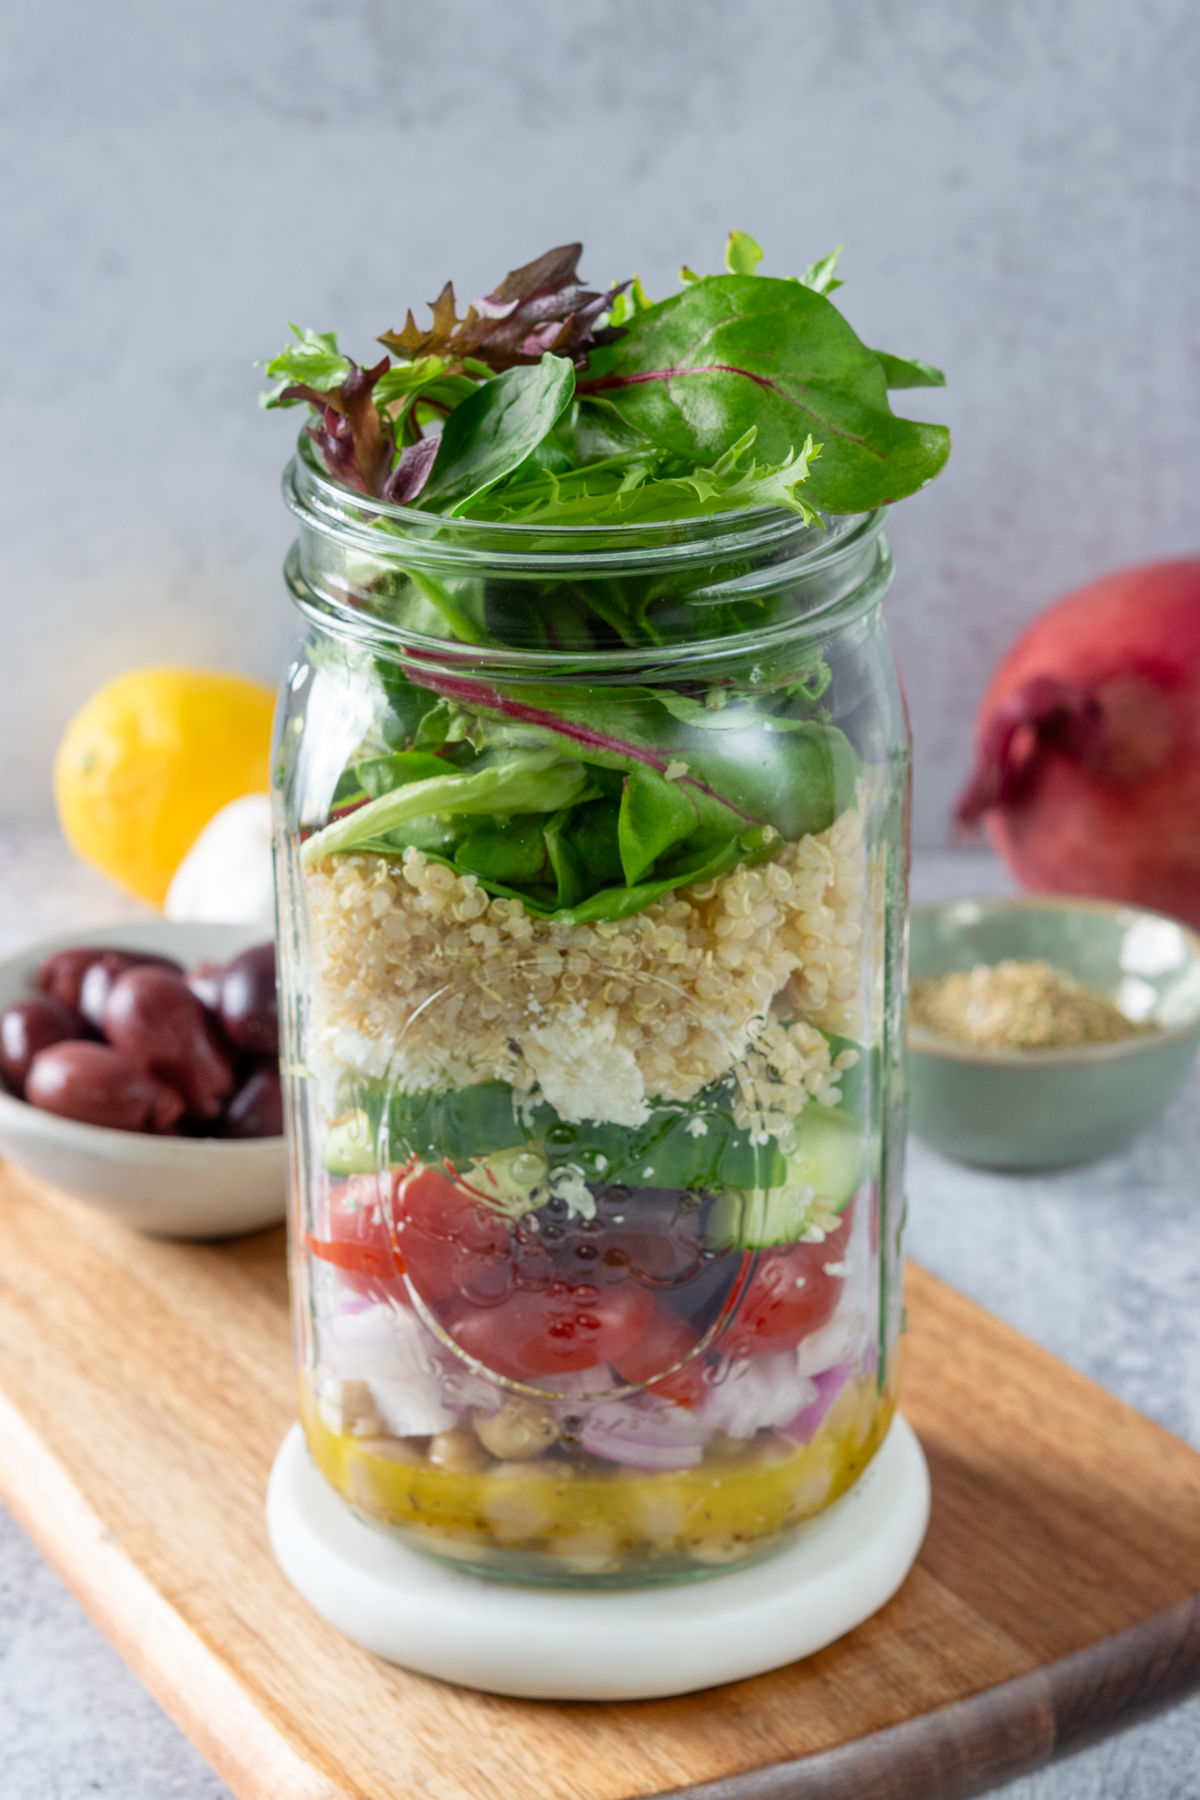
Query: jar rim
(330, 506)
(789, 552)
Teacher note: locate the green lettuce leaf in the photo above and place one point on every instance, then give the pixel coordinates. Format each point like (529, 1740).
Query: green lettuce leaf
(535, 781)
(313, 361)
(379, 775)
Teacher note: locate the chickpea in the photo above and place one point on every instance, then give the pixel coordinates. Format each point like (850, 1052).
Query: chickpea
(520, 1430)
(459, 1452)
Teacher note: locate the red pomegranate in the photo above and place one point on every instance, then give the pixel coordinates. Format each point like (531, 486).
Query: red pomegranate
(1087, 772)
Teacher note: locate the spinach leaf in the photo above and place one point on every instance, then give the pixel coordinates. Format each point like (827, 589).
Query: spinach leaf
(595, 836)
(797, 781)
(654, 814)
(567, 864)
(732, 352)
(436, 837)
(511, 853)
(738, 709)
(621, 903)
(454, 1127)
(490, 434)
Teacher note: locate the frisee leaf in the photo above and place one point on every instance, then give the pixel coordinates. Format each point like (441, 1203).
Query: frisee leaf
(627, 489)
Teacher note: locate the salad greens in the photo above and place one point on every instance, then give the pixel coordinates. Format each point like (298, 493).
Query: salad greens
(552, 403)
(549, 401)
(588, 804)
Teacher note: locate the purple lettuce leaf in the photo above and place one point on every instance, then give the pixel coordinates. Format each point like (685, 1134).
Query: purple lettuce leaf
(538, 308)
(351, 436)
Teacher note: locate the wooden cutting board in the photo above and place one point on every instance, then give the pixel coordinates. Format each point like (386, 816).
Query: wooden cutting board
(144, 1388)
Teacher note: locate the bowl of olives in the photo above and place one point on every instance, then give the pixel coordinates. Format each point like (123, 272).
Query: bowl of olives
(139, 1070)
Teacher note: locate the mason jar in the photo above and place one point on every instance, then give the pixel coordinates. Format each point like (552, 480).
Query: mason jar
(592, 853)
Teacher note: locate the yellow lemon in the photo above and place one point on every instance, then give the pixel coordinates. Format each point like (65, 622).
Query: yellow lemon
(146, 763)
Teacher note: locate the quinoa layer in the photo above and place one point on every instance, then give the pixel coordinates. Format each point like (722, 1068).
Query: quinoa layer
(422, 980)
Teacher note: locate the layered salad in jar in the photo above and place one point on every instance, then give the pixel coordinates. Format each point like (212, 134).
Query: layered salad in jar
(592, 981)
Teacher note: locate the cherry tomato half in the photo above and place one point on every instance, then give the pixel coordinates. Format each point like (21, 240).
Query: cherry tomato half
(667, 1339)
(448, 1240)
(358, 1243)
(791, 1295)
(560, 1330)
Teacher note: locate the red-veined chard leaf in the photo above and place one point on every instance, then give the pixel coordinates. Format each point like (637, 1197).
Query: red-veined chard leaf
(909, 371)
(735, 352)
(795, 781)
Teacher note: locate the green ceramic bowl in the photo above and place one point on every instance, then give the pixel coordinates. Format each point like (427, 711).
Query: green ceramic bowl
(1045, 1109)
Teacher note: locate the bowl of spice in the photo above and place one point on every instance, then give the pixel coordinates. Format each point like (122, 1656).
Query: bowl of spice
(1046, 1031)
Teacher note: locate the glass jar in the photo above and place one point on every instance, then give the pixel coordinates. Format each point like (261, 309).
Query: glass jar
(593, 885)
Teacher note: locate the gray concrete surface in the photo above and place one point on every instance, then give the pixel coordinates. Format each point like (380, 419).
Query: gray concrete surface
(1101, 1265)
(1017, 187)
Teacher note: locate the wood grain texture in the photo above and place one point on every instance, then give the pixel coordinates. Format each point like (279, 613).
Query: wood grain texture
(147, 1386)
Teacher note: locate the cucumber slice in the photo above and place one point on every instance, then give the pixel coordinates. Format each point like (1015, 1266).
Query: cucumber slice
(825, 1165)
(513, 1181)
(828, 1155)
(350, 1147)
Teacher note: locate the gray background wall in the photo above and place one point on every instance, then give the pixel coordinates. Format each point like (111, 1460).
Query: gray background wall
(1016, 182)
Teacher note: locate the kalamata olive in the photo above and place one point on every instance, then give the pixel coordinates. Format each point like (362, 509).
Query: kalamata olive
(100, 1086)
(100, 975)
(249, 1009)
(256, 1110)
(205, 982)
(61, 975)
(159, 1022)
(32, 1025)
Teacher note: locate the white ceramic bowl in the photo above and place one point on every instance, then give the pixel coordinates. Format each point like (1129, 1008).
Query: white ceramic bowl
(174, 1187)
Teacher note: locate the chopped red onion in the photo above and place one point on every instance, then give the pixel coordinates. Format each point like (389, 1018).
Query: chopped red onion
(829, 1384)
(760, 1391)
(645, 1433)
